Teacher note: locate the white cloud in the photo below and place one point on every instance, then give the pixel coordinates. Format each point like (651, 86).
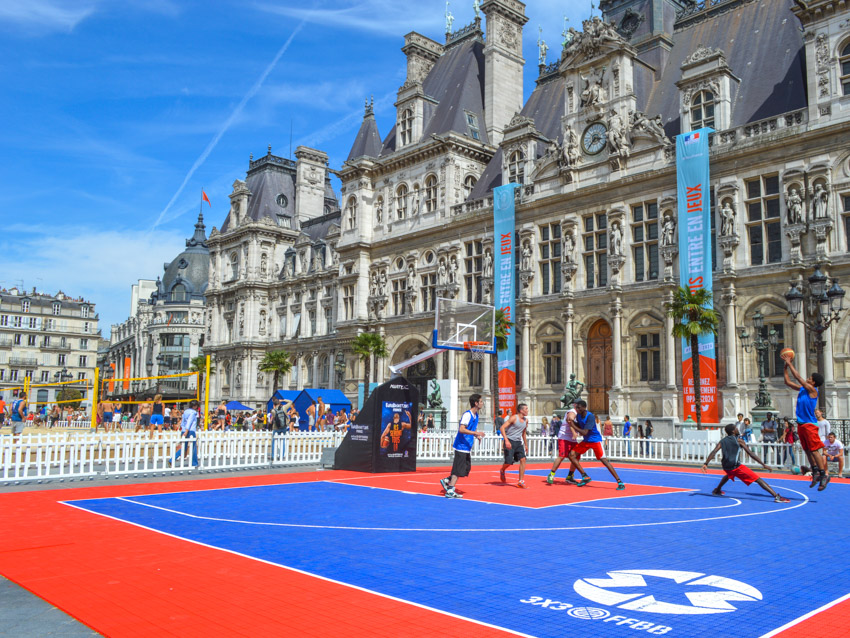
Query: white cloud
(46, 15)
(99, 265)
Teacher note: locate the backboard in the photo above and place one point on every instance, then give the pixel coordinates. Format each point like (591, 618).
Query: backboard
(460, 322)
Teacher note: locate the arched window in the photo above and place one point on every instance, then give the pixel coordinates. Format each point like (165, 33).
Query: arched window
(379, 210)
(325, 371)
(702, 110)
(351, 213)
(516, 167)
(405, 127)
(234, 266)
(430, 194)
(178, 293)
(844, 66)
(468, 184)
(401, 202)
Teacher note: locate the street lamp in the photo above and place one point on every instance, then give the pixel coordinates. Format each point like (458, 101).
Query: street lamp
(823, 304)
(61, 377)
(339, 366)
(160, 362)
(761, 346)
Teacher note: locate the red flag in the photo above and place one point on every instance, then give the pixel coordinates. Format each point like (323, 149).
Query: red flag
(206, 199)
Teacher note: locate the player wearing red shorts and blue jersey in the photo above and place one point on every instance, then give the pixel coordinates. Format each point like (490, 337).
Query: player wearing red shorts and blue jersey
(585, 424)
(807, 429)
(732, 445)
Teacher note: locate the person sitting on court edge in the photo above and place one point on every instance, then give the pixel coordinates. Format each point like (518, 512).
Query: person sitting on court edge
(834, 453)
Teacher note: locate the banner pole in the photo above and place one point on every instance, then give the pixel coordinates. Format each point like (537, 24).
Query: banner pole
(95, 398)
(207, 396)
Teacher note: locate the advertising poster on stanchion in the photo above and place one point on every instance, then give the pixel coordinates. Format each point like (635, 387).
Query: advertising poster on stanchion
(505, 273)
(383, 437)
(694, 200)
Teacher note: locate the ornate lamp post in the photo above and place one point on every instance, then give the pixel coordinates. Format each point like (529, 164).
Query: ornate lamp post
(823, 306)
(339, 367)
(160, 362)
(762, 346)
(61, 377)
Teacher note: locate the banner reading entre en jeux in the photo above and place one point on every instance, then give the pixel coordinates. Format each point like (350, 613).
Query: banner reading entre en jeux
(692, 176)
(505, 272)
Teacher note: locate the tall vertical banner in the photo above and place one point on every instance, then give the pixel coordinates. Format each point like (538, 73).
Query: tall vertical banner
(127, 363)
(505, 274)
(694, 200)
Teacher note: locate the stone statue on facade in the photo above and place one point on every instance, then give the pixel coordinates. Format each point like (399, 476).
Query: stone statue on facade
(571, 150)
(379, 212)
(264, 265)
(572, 392)
(618, 143)
(616, 238)
(442, 273)
(794, 204)
(488, 264)
(593, 92)
(727, 219)
(382, 283)
(262, 322)
(287, 268)
(668, 231)
(453, 270)
(820, 202)
(411, 278)
(304, 261)
(414, 205)
(525, 256)
(373, 285)
(569, 247)
(242, 322)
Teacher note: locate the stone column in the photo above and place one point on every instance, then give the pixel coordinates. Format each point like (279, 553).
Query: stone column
(315, 355)
(828, 369)
(569, 324)
(670, 354)
(731, 344)
(452, 372)
(617, 343)
(486, 373)
(799, 346)
(525, 322)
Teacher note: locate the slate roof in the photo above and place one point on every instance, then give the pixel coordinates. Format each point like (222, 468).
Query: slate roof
(456, 82)
(368, 140)
(190, 268)
(267, 178)
(763, 47)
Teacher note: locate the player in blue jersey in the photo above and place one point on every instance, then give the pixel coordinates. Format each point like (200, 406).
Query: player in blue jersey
(585, 424)
(467, 432)
(807, 429)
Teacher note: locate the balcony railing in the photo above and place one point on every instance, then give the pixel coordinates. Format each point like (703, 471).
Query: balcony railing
(24, 362)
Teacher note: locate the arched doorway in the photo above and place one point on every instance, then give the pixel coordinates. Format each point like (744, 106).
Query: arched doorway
(422, 372)
(600, 367)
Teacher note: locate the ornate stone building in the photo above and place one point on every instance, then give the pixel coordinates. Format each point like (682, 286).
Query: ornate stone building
(598, 253)
(273, 277)
(165, 330)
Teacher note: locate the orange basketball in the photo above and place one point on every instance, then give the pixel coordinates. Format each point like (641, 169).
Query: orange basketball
(385, 441)
(787, 354)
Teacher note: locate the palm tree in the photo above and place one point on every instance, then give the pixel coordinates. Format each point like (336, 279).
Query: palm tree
(503, 329)
(692, 318)
(199, 364)
(366, 345)
(277, 362)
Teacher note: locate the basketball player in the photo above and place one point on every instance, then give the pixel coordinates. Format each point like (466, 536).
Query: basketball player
(514, 442)
(585, 424)
(807, 429)
(566, 442)
(732, 445)
(467, 432)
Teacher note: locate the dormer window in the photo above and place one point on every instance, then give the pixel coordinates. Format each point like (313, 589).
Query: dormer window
(85, 311)
(516, 167)
(844, 65)
(472, 126)
(405, 127)
(178, 293)
(702, 110)
(57, 308)
(401, 202)
(25, 306)
(282, 201)
(468, 184)
(430, 194)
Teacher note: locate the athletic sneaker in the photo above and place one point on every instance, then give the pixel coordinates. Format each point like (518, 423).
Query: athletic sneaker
(620, 486)
(453, 494)
(571, 479)
(551, 478)
(502, 476)
(718, 492)
(584, 481)
(444, 482)
(815, 478)
(522, 485)
(824, 479)
(781, 499)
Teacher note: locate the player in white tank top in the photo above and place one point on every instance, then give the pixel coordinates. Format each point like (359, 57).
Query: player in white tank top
(566, 441)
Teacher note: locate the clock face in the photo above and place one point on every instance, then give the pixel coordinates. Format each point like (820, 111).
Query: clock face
(593, 139)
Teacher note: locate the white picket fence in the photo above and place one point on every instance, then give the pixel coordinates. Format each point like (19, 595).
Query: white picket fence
(67, 455)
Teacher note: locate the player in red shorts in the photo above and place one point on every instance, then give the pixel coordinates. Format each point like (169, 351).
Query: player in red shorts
(732, 446)
(585, 424)
(807, 429)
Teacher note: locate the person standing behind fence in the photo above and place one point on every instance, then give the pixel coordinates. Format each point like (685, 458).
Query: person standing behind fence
(157, 418)
(639, 435)
(627, 434)
(789, 437)
(189, 430)
(607, 431)
(279, 420)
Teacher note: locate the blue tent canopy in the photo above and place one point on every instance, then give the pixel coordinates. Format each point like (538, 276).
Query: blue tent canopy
(235, 405)
(334, 398)
(284, 396)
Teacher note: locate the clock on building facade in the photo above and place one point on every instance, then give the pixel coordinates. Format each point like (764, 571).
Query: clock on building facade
(593, 138)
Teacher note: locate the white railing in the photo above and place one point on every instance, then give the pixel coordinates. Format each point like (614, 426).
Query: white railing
(60, 455)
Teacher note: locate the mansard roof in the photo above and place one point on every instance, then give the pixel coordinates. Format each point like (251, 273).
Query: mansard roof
(190, 268)
(267, 179)
(368, 140)
(456, 84)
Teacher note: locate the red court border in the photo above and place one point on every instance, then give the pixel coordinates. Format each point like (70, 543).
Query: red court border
(124, 580)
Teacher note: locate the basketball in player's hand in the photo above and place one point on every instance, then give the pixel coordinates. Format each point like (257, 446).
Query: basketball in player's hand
(385, 441)
(787, 354)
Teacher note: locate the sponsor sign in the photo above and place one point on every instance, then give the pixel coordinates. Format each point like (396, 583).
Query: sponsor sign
(505, 280)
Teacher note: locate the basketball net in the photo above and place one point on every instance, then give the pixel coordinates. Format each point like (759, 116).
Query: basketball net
(475, 349)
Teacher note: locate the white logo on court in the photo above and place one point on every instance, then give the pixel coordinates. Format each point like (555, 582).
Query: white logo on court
(588, 613)
(604, 591)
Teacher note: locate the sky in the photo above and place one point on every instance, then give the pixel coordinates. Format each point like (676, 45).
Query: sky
(117, 113)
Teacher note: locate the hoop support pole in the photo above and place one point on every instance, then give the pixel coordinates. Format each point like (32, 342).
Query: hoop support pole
(423, 356)
(207, 396)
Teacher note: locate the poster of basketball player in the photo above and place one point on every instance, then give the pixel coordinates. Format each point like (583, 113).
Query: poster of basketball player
(396, 432)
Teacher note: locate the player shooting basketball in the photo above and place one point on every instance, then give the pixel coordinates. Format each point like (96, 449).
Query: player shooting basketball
(807, 429)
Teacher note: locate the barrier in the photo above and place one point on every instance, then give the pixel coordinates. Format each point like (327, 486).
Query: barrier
(81, 454)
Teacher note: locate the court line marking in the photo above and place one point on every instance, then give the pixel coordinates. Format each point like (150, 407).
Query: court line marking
(306, 573)
(500, 529)
(655, 509)
(797, 621)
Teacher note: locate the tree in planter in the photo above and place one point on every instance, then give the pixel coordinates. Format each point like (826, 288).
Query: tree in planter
(503, 329)
(278, 363)
(73, 397)
(199, 364)
(366, 345)
(692, 319)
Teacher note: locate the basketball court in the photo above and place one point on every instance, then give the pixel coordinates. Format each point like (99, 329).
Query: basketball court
(356, 554)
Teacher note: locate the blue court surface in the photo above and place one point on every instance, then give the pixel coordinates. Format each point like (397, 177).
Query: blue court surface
(679, 563)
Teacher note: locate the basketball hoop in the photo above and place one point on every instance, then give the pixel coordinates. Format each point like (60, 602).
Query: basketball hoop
(476, 349)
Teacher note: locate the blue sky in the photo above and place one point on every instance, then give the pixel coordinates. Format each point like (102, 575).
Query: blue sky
(116, 113)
